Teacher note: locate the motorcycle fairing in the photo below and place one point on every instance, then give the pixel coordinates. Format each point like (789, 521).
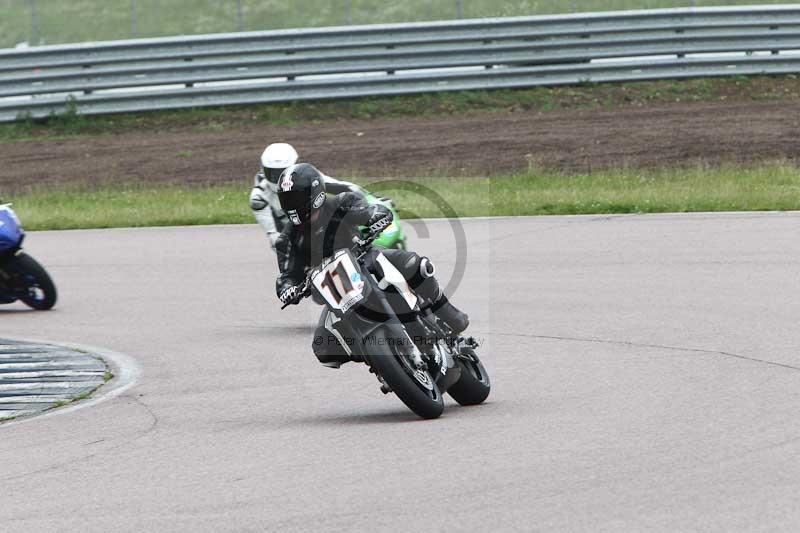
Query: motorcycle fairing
(11, 233)
(339, 282)
(329, 321)
(392, 276)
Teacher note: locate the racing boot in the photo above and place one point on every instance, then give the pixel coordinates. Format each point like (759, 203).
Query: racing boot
(450, 314)
(423, 281)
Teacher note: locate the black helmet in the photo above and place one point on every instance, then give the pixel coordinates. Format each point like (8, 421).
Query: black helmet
(301, 191)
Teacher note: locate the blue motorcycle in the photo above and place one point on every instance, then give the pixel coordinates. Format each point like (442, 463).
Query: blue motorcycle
(21, 276)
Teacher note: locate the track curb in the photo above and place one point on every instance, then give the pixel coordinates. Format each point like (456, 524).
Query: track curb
(94, 388)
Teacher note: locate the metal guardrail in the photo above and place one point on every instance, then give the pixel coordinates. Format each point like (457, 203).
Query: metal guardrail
(377, 60)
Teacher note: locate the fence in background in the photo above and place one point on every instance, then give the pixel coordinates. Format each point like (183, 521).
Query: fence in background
(382, 60)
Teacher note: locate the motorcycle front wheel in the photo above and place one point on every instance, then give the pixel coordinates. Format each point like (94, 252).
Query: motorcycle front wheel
(34, 285)
(415, 388)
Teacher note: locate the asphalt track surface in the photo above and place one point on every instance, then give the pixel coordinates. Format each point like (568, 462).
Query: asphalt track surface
(646, 376)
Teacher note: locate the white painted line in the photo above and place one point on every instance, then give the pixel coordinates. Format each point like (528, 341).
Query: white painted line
(29, 399)
(37, 357)
(7, 348)
(68, 364)
(52, 374)
(12, 387)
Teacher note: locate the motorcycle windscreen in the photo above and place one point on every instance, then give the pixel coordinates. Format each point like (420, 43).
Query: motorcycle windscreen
(10, 230)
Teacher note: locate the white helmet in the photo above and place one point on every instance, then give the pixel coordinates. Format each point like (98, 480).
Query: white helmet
(276, 158)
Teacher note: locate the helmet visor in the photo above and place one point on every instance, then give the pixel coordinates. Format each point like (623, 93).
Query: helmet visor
(298, 201)
(273, 174)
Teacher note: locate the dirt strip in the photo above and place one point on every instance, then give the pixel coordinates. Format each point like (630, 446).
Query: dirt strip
(478, 144)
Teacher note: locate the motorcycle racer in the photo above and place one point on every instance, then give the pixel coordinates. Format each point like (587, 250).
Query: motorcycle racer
(320, 226)
(263, 197)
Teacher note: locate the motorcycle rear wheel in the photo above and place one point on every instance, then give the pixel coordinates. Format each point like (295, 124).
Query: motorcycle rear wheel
(474, 385)
(419, 393)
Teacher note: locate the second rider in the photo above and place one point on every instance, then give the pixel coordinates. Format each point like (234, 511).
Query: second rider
(276, 158)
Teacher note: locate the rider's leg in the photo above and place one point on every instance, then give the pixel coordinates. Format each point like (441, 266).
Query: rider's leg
(419, 272)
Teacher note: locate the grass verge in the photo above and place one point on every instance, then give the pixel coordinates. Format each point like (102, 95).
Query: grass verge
(774, 186)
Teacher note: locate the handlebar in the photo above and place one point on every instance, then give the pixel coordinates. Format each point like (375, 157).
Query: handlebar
(360, 248)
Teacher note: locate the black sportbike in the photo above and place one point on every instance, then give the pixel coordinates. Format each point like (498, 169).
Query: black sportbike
(378, 320)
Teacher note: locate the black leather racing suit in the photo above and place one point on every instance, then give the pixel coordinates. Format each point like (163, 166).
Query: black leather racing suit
(305, 246)
(300, 247)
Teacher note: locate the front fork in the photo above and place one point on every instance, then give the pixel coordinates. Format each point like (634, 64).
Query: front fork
(10, 288)
(428, 350)
(440, 352)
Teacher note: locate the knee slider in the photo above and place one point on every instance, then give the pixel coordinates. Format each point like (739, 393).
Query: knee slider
(418, 270)
(426, 268)
(417, 265)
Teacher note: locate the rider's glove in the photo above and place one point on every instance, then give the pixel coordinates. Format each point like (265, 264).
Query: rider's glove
(273, 238)
(379, 222)
(289, 294)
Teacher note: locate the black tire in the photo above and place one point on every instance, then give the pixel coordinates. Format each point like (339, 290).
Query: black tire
(42, 293)
(474, 385)
(388, 361)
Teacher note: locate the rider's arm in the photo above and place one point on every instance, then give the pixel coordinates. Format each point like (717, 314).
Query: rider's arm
(261, 209)
(334, 186)
(376, 217)
(289, 264)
